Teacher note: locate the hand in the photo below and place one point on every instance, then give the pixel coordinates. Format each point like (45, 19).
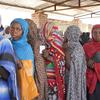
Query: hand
(90, 63)
(19, 64)
(45, 53)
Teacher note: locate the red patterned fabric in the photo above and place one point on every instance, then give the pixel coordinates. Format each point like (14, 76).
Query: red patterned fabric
(55, 72)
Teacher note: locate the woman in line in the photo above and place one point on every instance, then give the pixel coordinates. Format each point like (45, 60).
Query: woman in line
(54, 59)
(25, 59)
(8, 78)
(92, 51)
(40, 73)
(76, 62)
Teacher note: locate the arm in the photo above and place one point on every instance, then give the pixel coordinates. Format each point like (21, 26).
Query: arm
(67, 54)
(67, 59)
(90, 62)
(47, 56)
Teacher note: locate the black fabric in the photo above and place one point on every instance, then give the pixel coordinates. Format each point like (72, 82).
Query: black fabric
(96, 94)
(7, 57)
(84, 38)
(4, 73)
(96, 57)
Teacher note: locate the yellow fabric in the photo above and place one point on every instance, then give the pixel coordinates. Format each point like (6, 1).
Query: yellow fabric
(28, 89)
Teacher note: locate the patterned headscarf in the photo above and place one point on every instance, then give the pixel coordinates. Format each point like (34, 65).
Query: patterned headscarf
(33, 30)
(51, 36)
(72, 33)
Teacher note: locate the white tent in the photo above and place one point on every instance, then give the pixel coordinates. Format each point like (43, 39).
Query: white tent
(57, 9)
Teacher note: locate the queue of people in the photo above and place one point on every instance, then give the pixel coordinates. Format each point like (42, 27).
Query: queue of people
(65, 70)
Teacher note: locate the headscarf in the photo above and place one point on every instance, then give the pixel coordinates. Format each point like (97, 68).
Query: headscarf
(72, 33)
(90, 49)
(22, 49)
(7, 60)
(33, 32)
(51, 36)
(94, 27)
(32, 28)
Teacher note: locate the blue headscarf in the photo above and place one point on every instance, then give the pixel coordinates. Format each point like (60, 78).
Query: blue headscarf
(22, 49)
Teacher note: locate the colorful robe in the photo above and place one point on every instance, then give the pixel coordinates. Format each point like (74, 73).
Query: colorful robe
(56, 68)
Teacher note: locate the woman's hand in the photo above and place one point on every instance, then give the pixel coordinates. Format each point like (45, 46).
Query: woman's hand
(45, 53)
(19, 64)
(90, 63)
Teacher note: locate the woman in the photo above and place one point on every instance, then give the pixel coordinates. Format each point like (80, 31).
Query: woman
(25, 59)
(75, 61)
(40, 73)
(92, 50)
(8, 79)
(54, 59)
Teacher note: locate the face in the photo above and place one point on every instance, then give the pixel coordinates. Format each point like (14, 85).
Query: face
(96, 34)
(16, 31)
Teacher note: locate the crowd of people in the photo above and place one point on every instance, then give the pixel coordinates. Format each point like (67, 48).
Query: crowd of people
(67, 68)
